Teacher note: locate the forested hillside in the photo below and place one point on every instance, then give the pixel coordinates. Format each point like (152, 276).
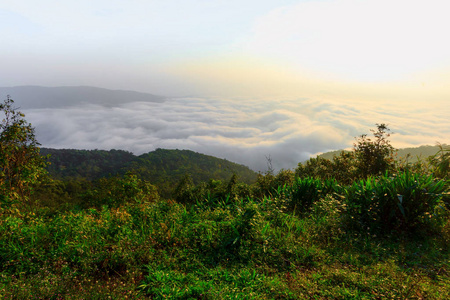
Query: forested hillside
(163, 168)
(66, 164)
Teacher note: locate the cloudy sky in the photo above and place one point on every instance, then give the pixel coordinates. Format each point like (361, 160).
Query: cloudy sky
(282, 78)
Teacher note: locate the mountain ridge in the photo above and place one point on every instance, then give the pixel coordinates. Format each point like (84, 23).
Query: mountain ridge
(33, 96)
(162, 167)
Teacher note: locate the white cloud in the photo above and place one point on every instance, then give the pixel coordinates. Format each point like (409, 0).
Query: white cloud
(244, 131)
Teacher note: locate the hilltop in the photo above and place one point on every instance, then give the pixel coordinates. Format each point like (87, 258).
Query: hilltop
(67, 96)
(164, 168)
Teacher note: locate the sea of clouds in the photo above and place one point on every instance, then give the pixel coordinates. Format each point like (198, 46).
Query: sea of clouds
(242, 130)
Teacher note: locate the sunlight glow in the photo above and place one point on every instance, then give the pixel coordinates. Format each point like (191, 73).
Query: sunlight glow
(364, 40)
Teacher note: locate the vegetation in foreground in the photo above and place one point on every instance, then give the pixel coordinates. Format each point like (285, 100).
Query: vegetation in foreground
(360, 226)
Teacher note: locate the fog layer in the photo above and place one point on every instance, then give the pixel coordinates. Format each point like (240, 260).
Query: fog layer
(243, 130)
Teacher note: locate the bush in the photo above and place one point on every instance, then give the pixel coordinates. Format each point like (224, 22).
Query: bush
(342, 168)
(441, 162)
(369, 157)
(305, 191)
(404, 202)
(315, 167)
(116, 191)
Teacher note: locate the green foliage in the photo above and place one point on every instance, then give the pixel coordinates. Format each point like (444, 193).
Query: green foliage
(317, 234)
(414, 153)
(70, 164)
(374, 157)
(119, 190)
(214, 193)
(172, 284)
(305, 191)
(184, 190)
(342, 167)
(315, 167)
(21, 166)
(163, 168)
(267, 185)
(240, 251)
(441, 162)
(55, 195)
(369, 158)
(405, 202)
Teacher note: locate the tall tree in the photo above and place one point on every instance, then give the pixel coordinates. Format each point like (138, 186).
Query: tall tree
(21, 166)
(374, 156)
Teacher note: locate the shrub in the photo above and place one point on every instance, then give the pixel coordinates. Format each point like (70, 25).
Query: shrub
(403, 202)
(305, 191)
(316, 167)
(441, 162)
(184, 191)
(342, 167)
(116, 191)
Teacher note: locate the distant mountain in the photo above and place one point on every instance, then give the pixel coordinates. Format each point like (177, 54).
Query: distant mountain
(28, 97)
(163, 168)
(421, 152)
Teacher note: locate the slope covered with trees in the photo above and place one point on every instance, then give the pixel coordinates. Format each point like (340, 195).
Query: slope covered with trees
(67, 164)
(163, 168)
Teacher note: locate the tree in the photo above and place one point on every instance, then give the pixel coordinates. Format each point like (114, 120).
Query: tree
(184, 191)
(119, 190)
(342, 168)
(374, 157)
(21, 165)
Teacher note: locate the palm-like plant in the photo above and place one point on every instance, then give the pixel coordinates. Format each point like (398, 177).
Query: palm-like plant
(441, 162)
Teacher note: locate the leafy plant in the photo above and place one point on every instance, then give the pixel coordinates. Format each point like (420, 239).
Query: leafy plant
(441, 162)
(403, 202)
(305, 191)
(315, 167)
(342, 168)
(21, 166)
(369, 157)
(119, 190)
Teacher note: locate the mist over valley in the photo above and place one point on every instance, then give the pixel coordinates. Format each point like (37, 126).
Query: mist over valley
(245, 130)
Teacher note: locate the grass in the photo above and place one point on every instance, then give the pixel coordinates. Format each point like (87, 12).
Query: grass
(242, 250)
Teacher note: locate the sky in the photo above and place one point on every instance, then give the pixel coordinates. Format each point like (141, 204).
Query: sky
(360, 62)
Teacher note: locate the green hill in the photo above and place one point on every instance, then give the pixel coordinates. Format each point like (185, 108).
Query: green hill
(163, 168)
